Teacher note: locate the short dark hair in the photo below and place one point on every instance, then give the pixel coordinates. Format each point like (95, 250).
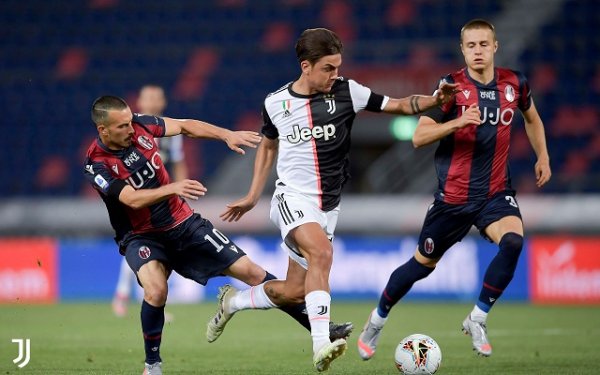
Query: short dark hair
(477, 23)
(104, 104)
(316, 43)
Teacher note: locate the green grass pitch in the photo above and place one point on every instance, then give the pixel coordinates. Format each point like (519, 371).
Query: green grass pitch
(88, 339)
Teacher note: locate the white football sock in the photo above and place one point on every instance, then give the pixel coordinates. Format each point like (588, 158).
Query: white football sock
(254, 298)
(318, 306)
(478, 315)
(377, 320)
(126, 279)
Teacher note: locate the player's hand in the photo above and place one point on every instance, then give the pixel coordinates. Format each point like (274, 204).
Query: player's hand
(446, 92)
(237, 209)
(236, 139)
(542, 172)
(471, 116)
(190, 189)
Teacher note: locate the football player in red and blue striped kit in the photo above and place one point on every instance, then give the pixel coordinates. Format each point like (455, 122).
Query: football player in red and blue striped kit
(474, 186)
(156, 229)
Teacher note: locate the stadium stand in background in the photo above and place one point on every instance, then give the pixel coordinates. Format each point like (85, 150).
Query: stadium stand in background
(217, 60)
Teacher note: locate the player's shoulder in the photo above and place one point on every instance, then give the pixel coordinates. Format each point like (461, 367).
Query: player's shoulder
(94, 150)
(456, 76)
(510, 74)
(282, 91)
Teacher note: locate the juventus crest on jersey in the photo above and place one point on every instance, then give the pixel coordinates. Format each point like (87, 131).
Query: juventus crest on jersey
(314, 136)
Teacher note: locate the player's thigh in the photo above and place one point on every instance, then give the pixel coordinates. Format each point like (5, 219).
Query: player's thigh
(205, 252)
(444, 225)
(311, 240)
(500, 215)
(148, 258)
(153, 277)
(244, 269)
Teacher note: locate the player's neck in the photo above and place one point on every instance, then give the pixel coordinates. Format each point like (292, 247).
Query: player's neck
(484, 76)
(302, 87)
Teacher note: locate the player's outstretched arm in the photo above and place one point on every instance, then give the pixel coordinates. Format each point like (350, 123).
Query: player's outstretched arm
(200, 129)
(537, 137)
(416, 104)
(429, 131)
(265, 158)
(141, 198)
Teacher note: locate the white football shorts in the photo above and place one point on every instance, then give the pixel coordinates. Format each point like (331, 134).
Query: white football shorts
(290, 209)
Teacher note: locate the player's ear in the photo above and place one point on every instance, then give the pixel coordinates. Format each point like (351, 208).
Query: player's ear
(305, 66)
(495, 46)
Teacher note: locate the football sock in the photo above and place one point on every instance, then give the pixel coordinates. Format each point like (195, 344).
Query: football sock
(153, 320)
(478, 315)
(124, 283)
(500, 271)
(298, 312)
(254, 298)
(400, 282)
(318, 304)
(377, 319)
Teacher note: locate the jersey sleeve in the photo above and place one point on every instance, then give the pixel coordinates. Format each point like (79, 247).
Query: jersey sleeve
(364, 98)
(154, 124)
(268, 128)
(524, 92)
(438, 113)
(101, 179)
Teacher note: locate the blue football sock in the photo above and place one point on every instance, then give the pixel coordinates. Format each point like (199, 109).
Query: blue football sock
(400, 282)
(153, 320)
(500, 271)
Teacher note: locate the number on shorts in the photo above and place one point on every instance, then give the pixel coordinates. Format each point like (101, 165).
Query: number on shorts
(511, 200)
(220, 236)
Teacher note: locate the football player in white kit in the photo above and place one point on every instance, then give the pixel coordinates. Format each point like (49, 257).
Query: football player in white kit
(307, 125)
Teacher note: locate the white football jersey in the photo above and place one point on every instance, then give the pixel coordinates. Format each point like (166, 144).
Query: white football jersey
(314, 136)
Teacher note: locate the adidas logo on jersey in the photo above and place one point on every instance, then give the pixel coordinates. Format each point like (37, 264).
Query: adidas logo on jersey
(317, 132)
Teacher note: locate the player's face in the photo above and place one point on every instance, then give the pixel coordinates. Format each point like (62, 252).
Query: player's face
(152, 101)
(118, 131)
(478, 47)
(323, 73)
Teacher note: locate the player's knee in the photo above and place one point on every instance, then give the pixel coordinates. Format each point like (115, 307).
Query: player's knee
(156, 294)
(321, 258)
(256, 275)
(511, 245)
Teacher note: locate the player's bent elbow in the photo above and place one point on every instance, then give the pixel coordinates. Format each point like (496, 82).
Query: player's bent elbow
(417, 141)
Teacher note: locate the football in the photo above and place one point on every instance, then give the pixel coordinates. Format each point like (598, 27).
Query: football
(418, 354)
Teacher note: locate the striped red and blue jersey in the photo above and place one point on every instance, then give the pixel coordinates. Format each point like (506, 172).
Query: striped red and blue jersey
(472, 163)
(139, 166)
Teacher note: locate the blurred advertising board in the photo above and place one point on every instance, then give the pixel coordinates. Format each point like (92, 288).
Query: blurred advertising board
(551, 269)
(28, 270)
(565, 270)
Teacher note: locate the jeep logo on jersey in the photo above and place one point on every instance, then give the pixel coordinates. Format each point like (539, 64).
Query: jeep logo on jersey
(317, 132)
(145, 142)
(145, 173)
